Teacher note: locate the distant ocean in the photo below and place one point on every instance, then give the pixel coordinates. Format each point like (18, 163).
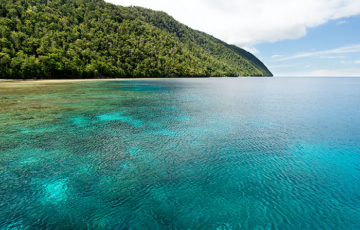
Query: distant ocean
(229, 153)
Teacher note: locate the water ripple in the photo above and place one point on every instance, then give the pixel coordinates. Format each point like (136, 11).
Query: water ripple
(171, 154)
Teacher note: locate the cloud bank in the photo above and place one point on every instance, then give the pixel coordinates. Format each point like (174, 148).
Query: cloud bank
(249, 22)
(336, 73)
(341, 50)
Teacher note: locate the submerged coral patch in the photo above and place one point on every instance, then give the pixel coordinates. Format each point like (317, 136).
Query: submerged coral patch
(111, 117)
(119, 117)
(55, 191)
(80, 121)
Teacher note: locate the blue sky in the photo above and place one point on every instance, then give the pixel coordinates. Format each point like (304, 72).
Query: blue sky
(292, 37)
(332, 49)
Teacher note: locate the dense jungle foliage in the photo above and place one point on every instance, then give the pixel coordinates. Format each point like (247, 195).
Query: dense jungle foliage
(92, 38)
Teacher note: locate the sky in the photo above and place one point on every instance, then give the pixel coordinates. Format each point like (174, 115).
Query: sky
(291, 37)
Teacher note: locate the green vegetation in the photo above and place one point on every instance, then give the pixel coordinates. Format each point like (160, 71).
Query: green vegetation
(92, 38)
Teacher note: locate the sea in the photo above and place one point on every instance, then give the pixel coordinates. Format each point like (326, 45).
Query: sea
(213, 153)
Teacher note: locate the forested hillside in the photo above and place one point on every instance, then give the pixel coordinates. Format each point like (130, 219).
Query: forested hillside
(92, 38)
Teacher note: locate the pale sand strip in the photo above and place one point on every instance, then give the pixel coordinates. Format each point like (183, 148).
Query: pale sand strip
(4, 83)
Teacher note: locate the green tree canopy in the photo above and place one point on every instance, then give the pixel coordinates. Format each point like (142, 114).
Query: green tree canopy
(92, 38)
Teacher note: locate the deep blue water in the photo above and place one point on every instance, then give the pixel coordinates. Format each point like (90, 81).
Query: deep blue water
(236, 153)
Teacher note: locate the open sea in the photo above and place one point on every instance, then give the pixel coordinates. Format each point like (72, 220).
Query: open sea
(228, 153)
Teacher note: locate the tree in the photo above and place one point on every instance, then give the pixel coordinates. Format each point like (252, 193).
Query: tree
(85, 38)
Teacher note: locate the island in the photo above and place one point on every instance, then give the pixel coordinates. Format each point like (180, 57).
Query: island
(75, 39)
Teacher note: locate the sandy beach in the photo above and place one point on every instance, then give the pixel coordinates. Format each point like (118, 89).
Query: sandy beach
(6, 83)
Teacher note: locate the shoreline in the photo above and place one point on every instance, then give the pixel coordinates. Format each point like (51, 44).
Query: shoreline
(6, 83)
(68, 80)
(23, 82)
(10, 83)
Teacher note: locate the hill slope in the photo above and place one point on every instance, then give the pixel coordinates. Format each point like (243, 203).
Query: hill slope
(92, 38)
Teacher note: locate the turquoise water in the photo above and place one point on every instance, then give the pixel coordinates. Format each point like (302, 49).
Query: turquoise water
(239, 153)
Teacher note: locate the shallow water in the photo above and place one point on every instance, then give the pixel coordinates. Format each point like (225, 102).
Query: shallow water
(239, 153)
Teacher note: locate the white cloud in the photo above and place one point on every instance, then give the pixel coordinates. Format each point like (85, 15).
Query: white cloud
(248, 22)
(308, 66)
(341, 22)
(350, 62)
(336, 73)
(345, 49)
(252, 50)
(278, 56)
(291, 74)
(280, 66)
(331, 57)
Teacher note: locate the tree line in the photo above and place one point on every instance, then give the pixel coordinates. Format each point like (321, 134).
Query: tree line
(92, 38)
